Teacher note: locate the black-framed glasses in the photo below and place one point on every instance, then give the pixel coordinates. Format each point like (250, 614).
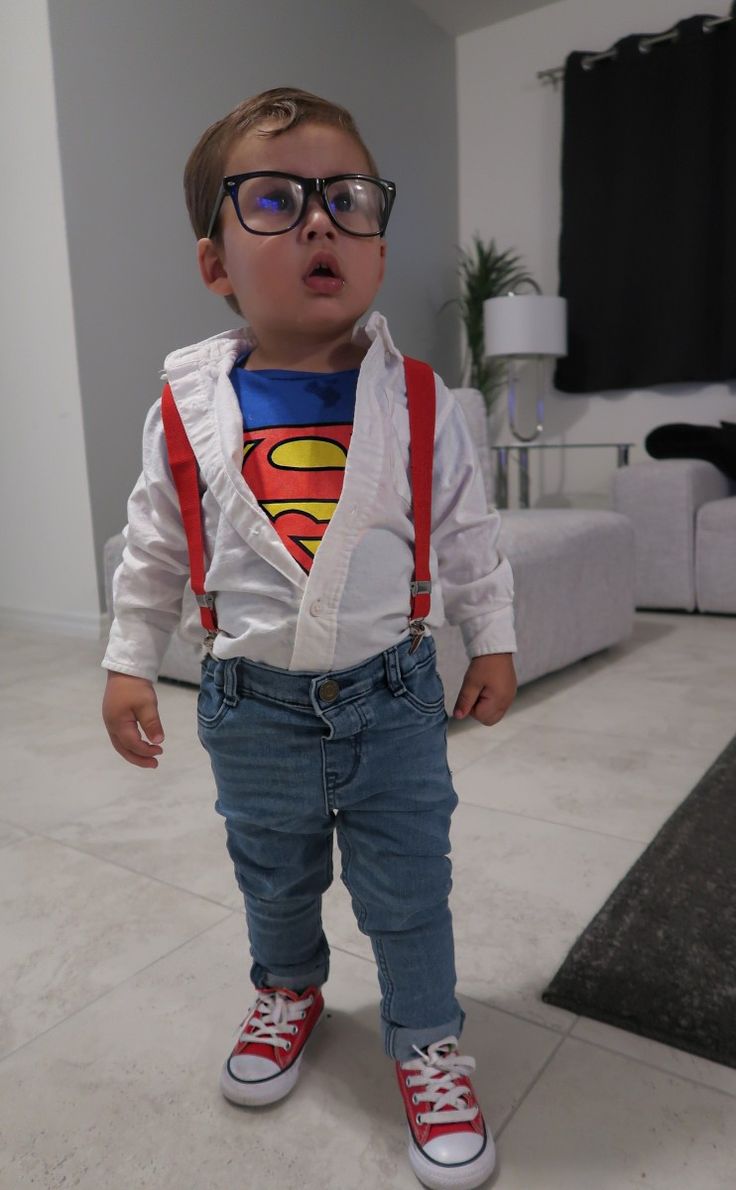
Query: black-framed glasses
(269, 203)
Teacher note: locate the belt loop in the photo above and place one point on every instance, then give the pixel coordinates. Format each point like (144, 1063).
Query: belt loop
(394, 679)
(230, 682)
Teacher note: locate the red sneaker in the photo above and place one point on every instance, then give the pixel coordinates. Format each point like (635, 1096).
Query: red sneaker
(264, 1065)
(450, 1147)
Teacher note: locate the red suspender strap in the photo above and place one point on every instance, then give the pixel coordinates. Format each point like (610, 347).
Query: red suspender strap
(185, 474)
(420, 393)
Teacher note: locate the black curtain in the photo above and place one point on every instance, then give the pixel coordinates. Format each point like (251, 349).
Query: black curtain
(648, 234)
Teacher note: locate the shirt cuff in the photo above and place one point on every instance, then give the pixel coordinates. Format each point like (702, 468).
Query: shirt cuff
(495, 635)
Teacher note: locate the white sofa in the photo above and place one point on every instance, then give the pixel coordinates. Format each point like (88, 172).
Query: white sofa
(573, 577)
(684, 516)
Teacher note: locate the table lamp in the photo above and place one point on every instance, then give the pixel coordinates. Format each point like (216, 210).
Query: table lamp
(521, 327)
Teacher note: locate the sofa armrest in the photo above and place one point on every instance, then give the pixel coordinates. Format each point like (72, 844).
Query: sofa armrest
(473, 406)
(661, 498)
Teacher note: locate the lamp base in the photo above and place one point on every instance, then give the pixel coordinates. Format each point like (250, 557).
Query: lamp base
(514, 370)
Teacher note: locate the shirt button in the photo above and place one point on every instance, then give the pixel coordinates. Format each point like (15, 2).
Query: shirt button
(315, 608)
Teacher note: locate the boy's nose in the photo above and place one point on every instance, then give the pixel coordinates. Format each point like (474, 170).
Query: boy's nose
(316, 217)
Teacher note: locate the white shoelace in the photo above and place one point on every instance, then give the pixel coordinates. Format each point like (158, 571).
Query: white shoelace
(442, 1059)
(275, 1015)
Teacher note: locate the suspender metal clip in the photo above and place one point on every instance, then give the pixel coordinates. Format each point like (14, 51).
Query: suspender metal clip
(417, 629)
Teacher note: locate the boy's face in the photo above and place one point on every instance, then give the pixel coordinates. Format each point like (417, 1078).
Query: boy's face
(268, 273)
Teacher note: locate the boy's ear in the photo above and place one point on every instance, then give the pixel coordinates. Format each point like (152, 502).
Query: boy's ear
(212, 269)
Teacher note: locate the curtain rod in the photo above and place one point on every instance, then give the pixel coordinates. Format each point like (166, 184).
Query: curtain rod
(556, 74)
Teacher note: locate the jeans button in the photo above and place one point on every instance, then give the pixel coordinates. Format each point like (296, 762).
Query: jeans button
(329, 691)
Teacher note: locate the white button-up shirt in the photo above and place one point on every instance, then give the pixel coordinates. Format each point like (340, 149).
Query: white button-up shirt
(355, 600)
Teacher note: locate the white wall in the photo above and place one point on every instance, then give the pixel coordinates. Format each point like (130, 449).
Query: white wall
(510, 128)
(48, 567)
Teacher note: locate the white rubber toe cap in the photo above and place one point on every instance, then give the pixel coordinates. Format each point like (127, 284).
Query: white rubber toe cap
(252, 1068)
(454, 1147)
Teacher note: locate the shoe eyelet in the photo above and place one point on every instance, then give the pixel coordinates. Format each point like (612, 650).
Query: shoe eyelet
(294, 1029)
(419, 1118)
(414, 1099)
(288, 1045)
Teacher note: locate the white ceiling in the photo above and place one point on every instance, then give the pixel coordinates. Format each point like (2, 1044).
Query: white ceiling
(463, 16)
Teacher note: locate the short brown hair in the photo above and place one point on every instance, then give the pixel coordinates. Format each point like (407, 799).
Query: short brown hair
(205, 167)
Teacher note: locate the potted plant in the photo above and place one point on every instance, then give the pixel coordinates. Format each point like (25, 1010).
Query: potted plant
(485, 272)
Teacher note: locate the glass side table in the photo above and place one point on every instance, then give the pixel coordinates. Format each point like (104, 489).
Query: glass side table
(522, 449)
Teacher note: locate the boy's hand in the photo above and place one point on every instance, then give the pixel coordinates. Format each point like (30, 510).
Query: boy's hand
(488, 688)
(128, 702)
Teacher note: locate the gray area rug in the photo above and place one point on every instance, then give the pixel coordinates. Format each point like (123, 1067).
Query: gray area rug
(659, 959)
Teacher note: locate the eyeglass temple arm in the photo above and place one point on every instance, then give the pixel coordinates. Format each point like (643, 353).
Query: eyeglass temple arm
(216, 209)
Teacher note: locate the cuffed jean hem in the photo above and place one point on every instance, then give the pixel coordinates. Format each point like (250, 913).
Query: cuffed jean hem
(398, 1041)
(298, 977)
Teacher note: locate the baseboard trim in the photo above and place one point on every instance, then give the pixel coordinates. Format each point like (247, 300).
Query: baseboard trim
(84, 626)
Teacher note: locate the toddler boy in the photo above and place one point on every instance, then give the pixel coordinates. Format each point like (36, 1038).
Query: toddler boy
(318, 707)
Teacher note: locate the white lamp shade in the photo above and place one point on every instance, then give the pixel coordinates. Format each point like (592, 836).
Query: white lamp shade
(525, 324)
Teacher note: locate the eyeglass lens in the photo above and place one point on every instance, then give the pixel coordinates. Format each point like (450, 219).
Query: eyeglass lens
(273, 204)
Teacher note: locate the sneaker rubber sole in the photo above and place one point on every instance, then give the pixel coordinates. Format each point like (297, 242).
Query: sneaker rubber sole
(467, 1176)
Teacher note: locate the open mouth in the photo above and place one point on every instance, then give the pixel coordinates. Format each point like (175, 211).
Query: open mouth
(324, 264)
(323, 275)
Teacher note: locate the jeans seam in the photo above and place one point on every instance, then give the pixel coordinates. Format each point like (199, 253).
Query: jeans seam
(345, 875)
(381, 959)
(327, 791)
(354, 769)
(246, 692)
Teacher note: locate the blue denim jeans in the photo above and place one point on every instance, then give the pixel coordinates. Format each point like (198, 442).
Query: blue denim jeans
(363, 751)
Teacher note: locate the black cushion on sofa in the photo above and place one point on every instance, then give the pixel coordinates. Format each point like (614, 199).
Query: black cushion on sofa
(715, 444)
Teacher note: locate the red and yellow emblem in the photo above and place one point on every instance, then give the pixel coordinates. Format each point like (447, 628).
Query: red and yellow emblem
(296, 474)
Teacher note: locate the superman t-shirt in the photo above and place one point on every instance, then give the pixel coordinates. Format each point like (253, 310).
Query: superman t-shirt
(296, 433)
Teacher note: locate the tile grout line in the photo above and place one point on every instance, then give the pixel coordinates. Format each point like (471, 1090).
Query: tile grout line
(124, 868)
(564, 1035)
(685, 1078)
(531, 1086)
(110, 991)
(518, 1016)
(515, 1016)
(571, 825)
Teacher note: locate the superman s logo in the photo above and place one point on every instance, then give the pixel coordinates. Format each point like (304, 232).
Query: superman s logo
(296, 474)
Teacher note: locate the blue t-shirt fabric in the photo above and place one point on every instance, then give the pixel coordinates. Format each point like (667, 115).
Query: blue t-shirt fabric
(279, 397)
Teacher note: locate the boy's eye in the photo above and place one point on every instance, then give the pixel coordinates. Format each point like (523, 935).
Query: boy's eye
(343, 201)
(265, 202)
(276, 201)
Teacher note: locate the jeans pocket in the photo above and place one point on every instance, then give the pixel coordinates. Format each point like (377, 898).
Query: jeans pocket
(423, 688)
(212, 705)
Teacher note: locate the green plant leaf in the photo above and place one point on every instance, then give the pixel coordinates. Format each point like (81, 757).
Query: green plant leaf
(485, 272)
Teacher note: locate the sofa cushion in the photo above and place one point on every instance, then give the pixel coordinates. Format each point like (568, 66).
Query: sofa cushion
(661, 500)
(573, 584)
(573, 590)
(715, 556)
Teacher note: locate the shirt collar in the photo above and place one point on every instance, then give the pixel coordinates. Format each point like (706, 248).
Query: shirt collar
(226, 346)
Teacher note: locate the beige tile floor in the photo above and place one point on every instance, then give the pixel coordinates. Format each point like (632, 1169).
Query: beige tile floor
(125, 968)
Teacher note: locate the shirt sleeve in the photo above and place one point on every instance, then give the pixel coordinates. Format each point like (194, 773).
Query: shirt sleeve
(148, 585)
(476, 579)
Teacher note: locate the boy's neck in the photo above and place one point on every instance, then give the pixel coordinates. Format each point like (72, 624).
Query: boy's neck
(312, 357)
